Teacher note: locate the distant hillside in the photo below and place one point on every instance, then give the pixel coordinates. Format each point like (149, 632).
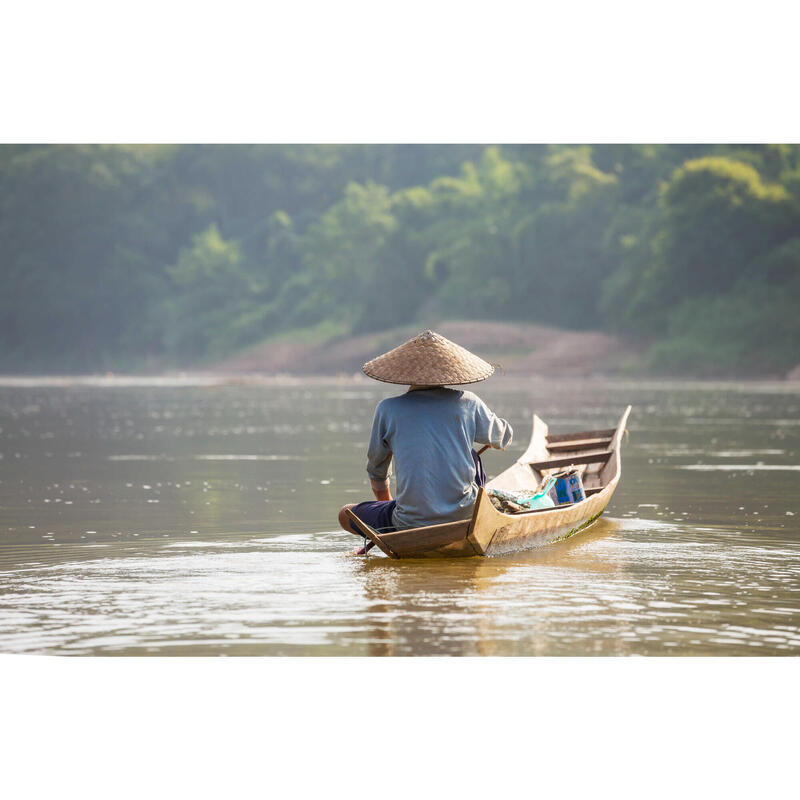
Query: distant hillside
(515, 349)
(141, 258)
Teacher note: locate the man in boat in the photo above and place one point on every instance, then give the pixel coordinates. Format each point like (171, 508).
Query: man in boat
(429, 432)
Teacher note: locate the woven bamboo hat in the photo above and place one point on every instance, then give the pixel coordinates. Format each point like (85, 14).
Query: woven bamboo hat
(428, 360)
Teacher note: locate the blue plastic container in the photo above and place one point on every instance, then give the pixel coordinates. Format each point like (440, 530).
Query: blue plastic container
(569, 487)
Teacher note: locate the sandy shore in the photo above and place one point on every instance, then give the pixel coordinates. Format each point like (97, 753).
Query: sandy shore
(514, 348)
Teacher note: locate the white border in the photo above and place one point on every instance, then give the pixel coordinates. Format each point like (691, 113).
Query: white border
(367, 727)
(433, 71)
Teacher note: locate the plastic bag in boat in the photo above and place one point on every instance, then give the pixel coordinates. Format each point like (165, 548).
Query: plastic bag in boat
(524, 501)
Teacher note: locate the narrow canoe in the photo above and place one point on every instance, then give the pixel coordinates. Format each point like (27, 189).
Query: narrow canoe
(490, 532)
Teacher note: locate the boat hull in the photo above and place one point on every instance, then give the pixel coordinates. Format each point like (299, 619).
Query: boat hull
(495, 533)
(490, 532)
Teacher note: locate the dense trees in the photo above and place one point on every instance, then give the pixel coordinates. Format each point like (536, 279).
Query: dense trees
(130, 256)
(717, 279)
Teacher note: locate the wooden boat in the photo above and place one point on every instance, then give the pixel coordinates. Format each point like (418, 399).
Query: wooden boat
(491, 532)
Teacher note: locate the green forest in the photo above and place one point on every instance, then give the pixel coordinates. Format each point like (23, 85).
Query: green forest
(148, 257)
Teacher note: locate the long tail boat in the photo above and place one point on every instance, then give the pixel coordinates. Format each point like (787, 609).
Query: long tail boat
(490, 532)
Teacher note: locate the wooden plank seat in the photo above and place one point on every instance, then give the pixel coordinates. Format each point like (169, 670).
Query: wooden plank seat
(579, 444)
(605, 433)
(587, 458)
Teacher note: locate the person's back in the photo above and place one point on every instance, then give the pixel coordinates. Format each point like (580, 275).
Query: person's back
(430, 432)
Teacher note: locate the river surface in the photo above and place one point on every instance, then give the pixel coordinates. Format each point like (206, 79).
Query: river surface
(198, 517)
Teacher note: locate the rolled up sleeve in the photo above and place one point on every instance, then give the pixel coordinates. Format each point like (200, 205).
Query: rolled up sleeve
(379, 454)
(491, 429)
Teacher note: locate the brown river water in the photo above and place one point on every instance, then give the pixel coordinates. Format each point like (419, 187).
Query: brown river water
(198, 517)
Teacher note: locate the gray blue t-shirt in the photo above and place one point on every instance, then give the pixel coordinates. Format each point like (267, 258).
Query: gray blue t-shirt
(430, 433)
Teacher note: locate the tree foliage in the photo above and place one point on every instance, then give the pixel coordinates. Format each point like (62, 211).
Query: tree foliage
(125, 256)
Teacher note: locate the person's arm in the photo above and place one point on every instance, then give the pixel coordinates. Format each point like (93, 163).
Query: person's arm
(491, 429)
(381, 489)
(379, 458)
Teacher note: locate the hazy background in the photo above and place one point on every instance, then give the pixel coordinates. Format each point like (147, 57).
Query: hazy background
(118, 257)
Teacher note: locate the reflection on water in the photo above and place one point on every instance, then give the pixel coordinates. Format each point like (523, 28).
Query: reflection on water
(180, 519)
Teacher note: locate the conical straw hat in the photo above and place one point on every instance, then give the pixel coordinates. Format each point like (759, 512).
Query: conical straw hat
(428, 360)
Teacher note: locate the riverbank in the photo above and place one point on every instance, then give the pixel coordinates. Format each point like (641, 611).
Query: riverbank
(515, 349)
(327, 351)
